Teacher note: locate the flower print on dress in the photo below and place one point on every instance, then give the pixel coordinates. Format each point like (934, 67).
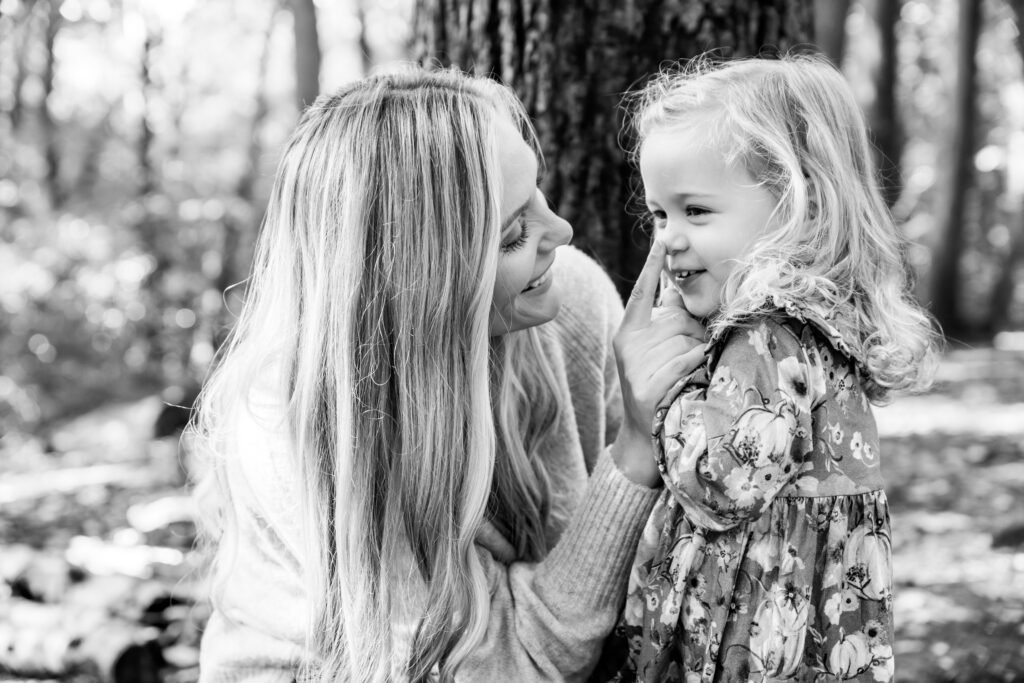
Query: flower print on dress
(844, 382)
(856, 654)
(868, 561)
(724, 384)
(761, 435)
(836, 433)
(740, 487)
(777, 580)
(779, 630)
(860, 449)
(799, 383)
(758, 338)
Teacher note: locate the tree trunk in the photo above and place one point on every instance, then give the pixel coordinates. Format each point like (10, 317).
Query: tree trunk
(1006, 281)
(945, 275)
(307, 52)
(571, 62)
(830, 28)
(240, 225)
(362, 42)
(1005, 285)
(144, 144)
(151, 225)
(884, 115)
(16, 42)
(50, 146)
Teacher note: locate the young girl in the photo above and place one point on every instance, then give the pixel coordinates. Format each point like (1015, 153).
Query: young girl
(768, 555)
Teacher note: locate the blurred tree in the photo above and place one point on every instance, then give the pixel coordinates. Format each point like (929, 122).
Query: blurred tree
(946, 283)
(151, 208)
(830, 28)
(307, 51)
(883, 116)
(50, 10)
(1005, 282)
(571, 62)
(16, 38)
(362, 42)
(239, 226)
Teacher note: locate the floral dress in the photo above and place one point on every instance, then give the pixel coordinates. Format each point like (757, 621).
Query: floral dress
(768, 555)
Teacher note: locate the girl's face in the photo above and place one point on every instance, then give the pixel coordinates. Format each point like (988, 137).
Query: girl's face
(524, 291)
(705, 211)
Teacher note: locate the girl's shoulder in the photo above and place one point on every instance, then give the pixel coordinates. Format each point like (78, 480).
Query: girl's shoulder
(808, 324)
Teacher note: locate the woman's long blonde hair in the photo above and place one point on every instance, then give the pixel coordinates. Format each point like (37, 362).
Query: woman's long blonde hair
(370, 298)
(794, 125)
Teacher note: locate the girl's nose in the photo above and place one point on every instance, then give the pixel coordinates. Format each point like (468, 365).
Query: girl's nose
(673, 237)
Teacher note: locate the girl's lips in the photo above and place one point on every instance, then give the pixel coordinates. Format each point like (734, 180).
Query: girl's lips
(681, 276)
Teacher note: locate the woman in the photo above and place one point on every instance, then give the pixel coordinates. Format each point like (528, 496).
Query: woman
(399, 445)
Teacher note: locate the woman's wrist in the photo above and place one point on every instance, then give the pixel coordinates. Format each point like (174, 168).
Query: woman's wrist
(633, 454)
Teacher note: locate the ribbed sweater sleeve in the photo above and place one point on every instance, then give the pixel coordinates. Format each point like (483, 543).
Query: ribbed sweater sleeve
(548, 620)
(591, 563)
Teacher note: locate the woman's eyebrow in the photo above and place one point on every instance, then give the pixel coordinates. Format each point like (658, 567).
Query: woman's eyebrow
(512, 216)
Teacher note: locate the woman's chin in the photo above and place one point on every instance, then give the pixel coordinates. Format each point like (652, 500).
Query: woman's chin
(527, 313)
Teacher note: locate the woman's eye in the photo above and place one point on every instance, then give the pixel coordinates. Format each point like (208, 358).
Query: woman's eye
(520, 239)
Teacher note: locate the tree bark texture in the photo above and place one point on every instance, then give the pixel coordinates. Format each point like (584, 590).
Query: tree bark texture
(945, 275)
(571, 63)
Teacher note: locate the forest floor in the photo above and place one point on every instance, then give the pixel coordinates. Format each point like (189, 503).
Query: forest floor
(100, 581)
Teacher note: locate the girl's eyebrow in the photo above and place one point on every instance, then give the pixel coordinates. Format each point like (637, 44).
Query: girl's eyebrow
(512, 216)
(695, 195)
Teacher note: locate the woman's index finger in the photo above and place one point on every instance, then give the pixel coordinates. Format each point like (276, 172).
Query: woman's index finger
(641, 299)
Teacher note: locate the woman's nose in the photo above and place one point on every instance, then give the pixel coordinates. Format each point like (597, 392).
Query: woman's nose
(557, 230)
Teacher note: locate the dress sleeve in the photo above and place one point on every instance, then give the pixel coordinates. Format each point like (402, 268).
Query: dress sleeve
(727, 445)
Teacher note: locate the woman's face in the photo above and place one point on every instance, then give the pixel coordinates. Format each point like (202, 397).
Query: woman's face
(524, 291)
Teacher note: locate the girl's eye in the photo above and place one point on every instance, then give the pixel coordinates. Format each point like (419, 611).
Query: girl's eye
(520, 239)
(696, 211)
(658, 218)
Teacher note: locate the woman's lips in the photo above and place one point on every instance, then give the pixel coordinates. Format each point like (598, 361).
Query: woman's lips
(540, 281)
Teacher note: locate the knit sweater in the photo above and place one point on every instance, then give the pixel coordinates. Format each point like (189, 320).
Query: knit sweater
(547, 619)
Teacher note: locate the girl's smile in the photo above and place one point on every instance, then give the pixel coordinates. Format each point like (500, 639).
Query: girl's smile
(706, 211)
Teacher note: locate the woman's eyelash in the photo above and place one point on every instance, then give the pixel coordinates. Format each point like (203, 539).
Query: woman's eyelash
(520, 240)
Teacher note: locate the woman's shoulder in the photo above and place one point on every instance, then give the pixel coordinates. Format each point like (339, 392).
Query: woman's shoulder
(590, 302)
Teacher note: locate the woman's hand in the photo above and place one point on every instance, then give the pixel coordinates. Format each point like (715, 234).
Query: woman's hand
(654, 348)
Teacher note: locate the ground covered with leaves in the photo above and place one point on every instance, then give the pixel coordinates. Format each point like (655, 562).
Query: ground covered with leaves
(99, 580)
